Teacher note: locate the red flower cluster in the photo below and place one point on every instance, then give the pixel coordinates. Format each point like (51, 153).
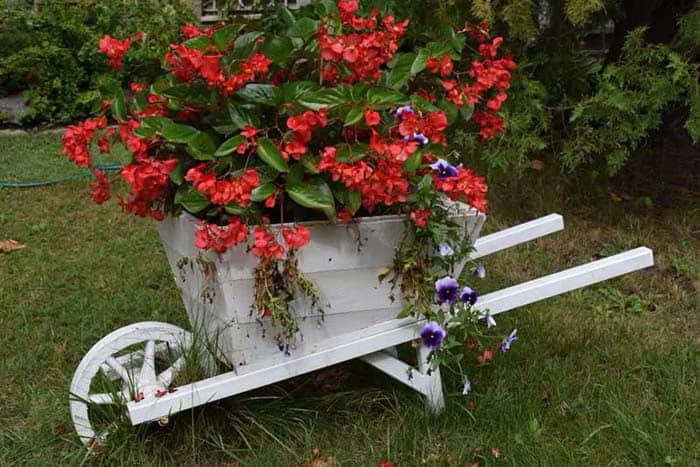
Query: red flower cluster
(75, 142)
(432, 126)
(148, 180)
(466, 186)
(190, 31)
(296, 237)
(420, 217)
(217, 238)
(443, 65)
(362, 53)
(489, 124)
(100, 187)
(384, 184)
(114, 49)
(187, 64)
(302, 126)
(489, 72)
(265, 246)
(222, 192)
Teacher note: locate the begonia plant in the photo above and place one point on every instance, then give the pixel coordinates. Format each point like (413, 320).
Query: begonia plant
(328, 115)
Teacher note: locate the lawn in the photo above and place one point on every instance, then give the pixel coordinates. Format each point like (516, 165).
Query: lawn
(606, 375)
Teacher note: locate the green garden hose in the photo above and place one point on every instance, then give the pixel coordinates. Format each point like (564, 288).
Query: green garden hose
(67, 178)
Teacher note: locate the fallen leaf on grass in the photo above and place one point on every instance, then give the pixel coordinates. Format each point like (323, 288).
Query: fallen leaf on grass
(537, 164)
(8, 246)
(496, 452)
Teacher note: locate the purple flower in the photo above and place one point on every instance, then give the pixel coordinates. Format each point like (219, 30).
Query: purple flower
(421, 138)
(445, 250)
(403, 109)
(505, 345)
(432, 335)
(480, 271)
(446, 290)
(490, 322)
(443, 169)
(466, 387)
(468, 295)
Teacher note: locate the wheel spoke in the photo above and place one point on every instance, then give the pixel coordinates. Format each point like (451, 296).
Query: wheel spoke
(119, 369)
(166, 377)
(102, 398)
(148, 370)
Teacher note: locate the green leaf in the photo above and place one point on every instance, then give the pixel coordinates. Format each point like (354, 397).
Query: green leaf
(292, 92)
(260, 94)
(178, 174)
(379, 96)
(354, 201)
(245, 44)
(178, 133)
(229, 146)
(262, 192)
(451, 111)
(314, 193)
(466, 112)
(327, 97)
(421, 59)
(195, 93)
(278, 49)
(235, 209)
(201, 146)
(354, 116)
(304, 28)
(240, 116)
(118, 106)
(223, 36)
(309, 162)
(400, 74)
(351, 153)
(269, 154)
(413, 162)
(199, 42)
(192, 200)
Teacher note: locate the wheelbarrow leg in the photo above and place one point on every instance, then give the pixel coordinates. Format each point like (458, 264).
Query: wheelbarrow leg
(425, 381)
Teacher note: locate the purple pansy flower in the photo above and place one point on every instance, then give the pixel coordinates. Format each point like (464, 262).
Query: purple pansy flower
(432, 335)
(480, 271)
(445, 250)
(446, 290)
(468, 295)
(466, 387)
(505, 345)
(401, 110)
(443, 169)
(490, 322)
(419, 137)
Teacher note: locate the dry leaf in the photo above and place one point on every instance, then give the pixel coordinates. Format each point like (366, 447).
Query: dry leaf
(474, 464)
(496, 452)
(8, 246)
(537, 164)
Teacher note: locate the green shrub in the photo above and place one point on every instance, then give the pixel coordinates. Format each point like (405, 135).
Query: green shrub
(51, 55)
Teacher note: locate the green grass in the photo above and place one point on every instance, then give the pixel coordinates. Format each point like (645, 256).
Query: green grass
(606, 375)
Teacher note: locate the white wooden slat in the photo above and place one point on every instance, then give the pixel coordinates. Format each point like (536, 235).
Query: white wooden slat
(387, 334)
(517, 235)
(398, 370)
(566, 281)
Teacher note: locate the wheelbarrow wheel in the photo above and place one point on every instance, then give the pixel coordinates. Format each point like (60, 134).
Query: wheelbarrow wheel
(133, 363)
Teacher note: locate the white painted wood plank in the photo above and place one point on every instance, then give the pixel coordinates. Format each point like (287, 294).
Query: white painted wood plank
(398, 370)
(566, 281)
(229, 384)
(517, 235)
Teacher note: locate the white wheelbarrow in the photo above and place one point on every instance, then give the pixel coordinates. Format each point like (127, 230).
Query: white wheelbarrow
(145, 359)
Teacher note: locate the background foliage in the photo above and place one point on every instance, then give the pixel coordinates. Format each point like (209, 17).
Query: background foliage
(50, 55)
(596, 79)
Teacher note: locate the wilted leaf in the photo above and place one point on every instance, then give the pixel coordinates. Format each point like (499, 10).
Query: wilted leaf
(536, 164)
(8, 246)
